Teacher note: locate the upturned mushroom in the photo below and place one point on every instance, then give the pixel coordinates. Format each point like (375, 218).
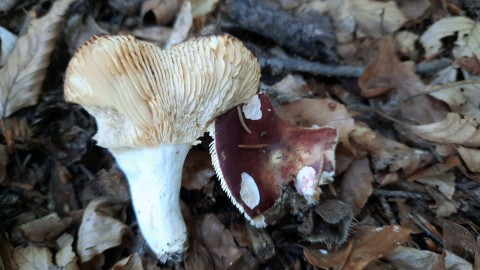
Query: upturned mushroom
(256, 154)
(151, 105)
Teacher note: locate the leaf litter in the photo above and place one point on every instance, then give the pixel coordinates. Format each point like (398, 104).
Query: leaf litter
(406, 193)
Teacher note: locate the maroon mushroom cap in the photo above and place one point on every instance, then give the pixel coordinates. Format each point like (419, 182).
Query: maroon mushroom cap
(256, 158)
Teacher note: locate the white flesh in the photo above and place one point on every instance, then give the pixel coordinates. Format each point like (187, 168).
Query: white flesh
(155, 175)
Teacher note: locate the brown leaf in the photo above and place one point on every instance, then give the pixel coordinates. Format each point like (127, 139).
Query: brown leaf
(65, 257)
(458, 239)
(32, 257)
(46, 228)
(455, 128)
(389, 154)
(462, 97)
(198, 258)
(132, 262)
(219, 242)
(356, 184)
(470, 64)
(197, 170)
(99, 230)
(163, 10)
(471, 157)
(386, 73)
(22, 77)
(321, 112)
(454, 262)
(368, 244)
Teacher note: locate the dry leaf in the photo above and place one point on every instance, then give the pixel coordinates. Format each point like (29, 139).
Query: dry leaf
(470, 64)
(462, 97)
(198, 258)
(467, 34)
(6, 251)
(132, 262)
(219, 242)
(405, 41)
(407, 258)
(45, 228)
(99, 231)
(163, 11)
(158, 35)
(203, 7)
(182, 25)
(79, 29)
(386, 73)
(32, 257)
(455, 128)
(65, 257)
(458, 239)
(367, 244)
(356, 185)
(320, 112)
(453, 262)
(197, 170)
(290, 88)
(414, 9)
(471, 157)
(22, 77)
(439, 176)
(389, 154)
(7, 41)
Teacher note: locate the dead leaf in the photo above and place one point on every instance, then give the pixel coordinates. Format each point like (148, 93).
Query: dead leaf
(455, 128)
(388, 154)
(290, 88)
(198, 258)
(219, 242)
(471, 157)
(367, 244)
(467, 33)
(163, 11)
(405, 41)
(79, 29)
(386, 73)
(182, 25)
(22, 77)
(414, 9)
(158, 35)
(458, 239)
(132, 262)
(203, 7)
(32, 257)
(99, 230)
(46, 228)
(462, 97)
(453, 262)
(8, 42)
(470, 64)
(356, 185)
(407, 258)
(65, 257)
(6, 251)
(197, 170)
(320, 112)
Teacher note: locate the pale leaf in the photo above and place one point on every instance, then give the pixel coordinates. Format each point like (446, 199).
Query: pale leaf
(22, 77)
(8, 41)
(65, 257)
(457, 129)
(462, 97)
(453, 262)
(32, 257)
(467, 34)
(471, 157)
(132, 262)
(203, 7)
(182, 25)
(98, 231)
(406, 258)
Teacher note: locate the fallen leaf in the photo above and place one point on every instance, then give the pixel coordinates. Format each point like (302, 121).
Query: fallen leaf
(470, 64)
(158, 35)
(407, 258)
(386, 73)
(356, 184)
(203, 7)
(414, 9)
(182, 25)
(455, 128)
(8, 41)
(99, 230)
(319, 112)
(132, 262)
(198, 258)
(65, 257)
(32, 257)
(6, 251)
(453, 262)
(163, 11)
(405, 41)
(471, 157)
(462, 97)
(219, 242)
(367, 244)
(197, 170)
(79, 29)
(388, 154)
(290, 88)
(458, 239)
(22, 77)
(466, 31)
(46, 228)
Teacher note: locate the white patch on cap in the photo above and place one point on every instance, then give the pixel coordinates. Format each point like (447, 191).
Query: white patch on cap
(253, 109)
(306, 183)
(249, 191)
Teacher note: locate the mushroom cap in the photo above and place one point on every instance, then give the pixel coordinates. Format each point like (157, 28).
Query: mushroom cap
(143, 96)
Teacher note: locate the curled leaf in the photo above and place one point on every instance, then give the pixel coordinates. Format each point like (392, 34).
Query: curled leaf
(22, 77)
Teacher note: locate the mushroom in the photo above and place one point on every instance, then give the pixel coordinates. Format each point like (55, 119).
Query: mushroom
(151, 105)
(256, 154)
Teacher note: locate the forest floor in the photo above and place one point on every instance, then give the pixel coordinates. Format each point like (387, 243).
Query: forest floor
(399, 80)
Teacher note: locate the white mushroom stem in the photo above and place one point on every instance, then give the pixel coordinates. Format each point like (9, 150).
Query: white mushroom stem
(154, 175)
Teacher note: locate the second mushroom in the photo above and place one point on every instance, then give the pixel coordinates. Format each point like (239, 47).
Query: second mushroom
(151, 105)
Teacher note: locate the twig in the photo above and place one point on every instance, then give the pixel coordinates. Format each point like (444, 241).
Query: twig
(399, 194)
(289, 64)
(388, 210)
